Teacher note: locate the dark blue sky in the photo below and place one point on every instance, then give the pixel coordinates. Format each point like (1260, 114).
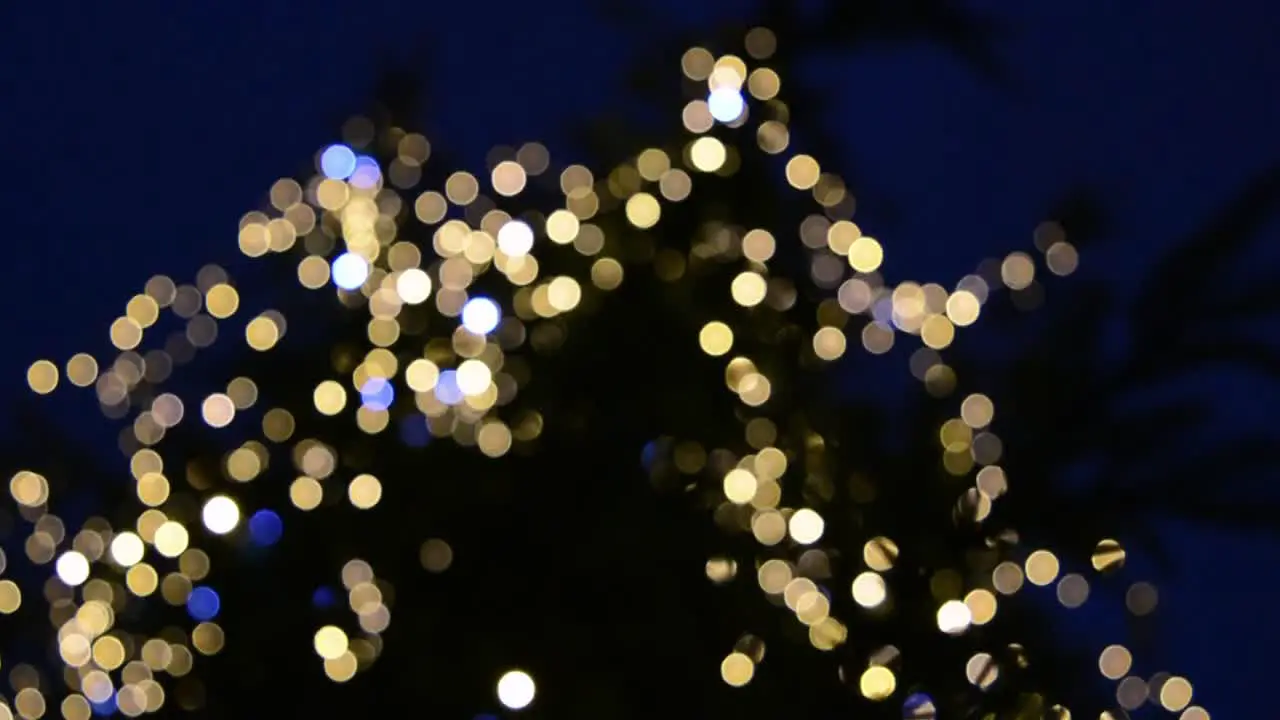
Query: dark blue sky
(135, 138)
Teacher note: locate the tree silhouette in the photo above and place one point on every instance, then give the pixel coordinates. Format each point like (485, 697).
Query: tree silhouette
(602, 551)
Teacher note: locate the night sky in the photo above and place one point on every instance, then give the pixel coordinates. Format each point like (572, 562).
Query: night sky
(135, 137)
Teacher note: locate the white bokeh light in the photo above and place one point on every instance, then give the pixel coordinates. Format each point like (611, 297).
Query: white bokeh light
(726, 104)
(516, 690)
(73, 568)
(221, 515)
(868, 589)
(127, 549)
(481, 315)
(350, 271)
(806, 526)
(414, 286)
(954, 617)
(515, 238)
(474, 377)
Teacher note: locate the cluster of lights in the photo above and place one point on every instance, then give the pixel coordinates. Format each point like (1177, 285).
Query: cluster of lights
(343, 221)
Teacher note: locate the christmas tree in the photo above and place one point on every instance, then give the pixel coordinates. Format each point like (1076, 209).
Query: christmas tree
(577, 441)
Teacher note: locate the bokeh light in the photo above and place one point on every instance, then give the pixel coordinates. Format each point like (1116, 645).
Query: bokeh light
(377, 394)
(515, 238)
(203, 604)
(407, 256)
(350, 271)
(221, 515)
(73, 568)
(367, 175)
(726, 104)
(516, 689)
(265, 528)
(481, 315)
(954, 617)
(337, 162)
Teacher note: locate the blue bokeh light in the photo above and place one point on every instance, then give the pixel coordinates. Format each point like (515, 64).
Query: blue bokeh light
(447, 390)
(649, 455)
(377, 394)
(324, 597)
(203, 604)
(726, 104)
(106, 708)
(265, 528)
(481, 315)
(918, 706)
(350, 271)
(413, 431)
(337, 162)
(882, 311)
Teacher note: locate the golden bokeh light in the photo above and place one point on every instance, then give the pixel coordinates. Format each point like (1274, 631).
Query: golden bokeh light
(1108, 556)
(865, 254)
(748, 289)
(306, 493)
(42, 377)
(330, 642)
(877, 683)
(829, 343)
(330, 397)
(715, 338)
(880, 554)
(707, 154)
(364, 491)
(436, 555)
(740, 486)
(802, 172)
(1042, 567)
(1175, 694)
(982, 606)
(737, 669)
(643, 210)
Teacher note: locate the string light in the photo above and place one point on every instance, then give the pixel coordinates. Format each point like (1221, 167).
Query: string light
(348, 211)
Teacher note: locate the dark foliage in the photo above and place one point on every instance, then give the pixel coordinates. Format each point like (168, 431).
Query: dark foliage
(583, 565)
